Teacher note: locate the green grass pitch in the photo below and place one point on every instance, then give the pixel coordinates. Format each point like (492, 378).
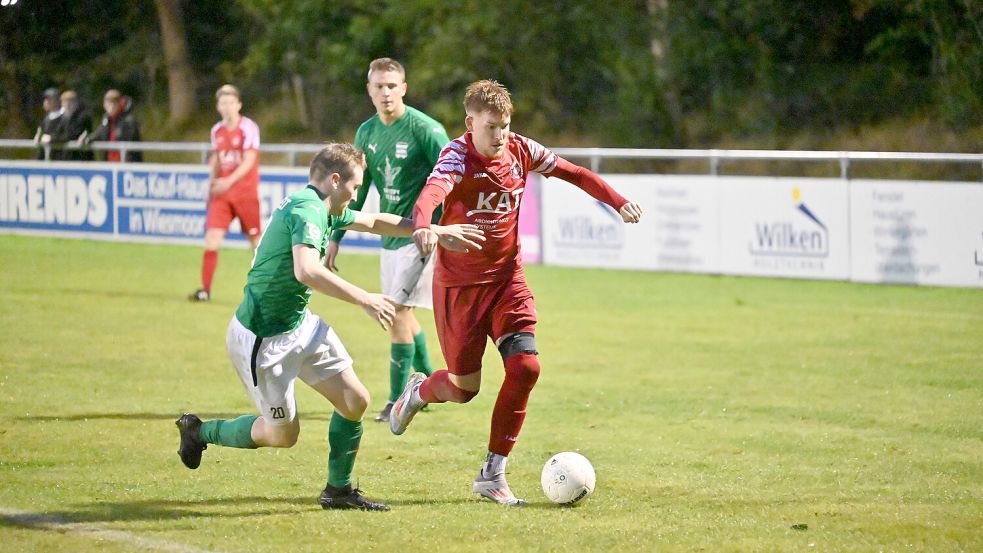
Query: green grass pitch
(721, 414)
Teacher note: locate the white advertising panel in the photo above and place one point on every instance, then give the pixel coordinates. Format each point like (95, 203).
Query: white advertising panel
(785, 227)
(917, 232)
(677, 232)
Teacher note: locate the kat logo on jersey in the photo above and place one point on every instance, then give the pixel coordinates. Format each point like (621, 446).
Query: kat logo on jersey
(499, 203)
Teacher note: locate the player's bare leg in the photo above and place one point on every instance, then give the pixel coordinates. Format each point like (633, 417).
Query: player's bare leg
(350, 398)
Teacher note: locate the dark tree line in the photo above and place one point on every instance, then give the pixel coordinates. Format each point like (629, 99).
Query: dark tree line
(653, 73)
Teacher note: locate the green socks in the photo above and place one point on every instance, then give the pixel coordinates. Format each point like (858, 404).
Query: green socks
(231, 433)
(343, 439)
(400, 362)
(421, 359)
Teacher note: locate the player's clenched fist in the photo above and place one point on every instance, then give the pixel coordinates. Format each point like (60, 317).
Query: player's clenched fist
(631, 212)
(425, 240)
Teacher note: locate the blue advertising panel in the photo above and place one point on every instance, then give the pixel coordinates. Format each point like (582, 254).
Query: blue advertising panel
(139, 202)
(58, 200)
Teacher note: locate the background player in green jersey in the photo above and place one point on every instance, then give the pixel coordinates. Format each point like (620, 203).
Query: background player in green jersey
(401, 145)
(273, 339)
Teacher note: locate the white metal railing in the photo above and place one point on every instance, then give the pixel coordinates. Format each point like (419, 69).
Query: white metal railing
(595, 156)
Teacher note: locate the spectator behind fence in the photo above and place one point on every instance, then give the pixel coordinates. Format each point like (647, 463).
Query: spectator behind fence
(118, 125)
(72, 129)
(50, 121)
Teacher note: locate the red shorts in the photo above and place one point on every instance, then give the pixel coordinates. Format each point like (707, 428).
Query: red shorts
(222, 209)
(466, 316)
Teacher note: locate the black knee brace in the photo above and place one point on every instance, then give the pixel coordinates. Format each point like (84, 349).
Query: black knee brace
(520, 342)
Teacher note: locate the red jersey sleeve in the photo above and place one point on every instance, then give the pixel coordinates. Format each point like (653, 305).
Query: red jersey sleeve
(588, 181)
(542, 160)
(250, 134)
(447, 173)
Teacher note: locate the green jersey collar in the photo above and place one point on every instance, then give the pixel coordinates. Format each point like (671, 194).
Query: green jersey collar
(320, 194)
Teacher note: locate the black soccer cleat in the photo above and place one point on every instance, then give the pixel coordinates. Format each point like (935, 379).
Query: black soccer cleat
(191, 444)
(200, 295)
(348, 497)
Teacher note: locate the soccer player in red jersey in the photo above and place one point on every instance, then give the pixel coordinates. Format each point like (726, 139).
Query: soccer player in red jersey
(480, 178)
(234, 176)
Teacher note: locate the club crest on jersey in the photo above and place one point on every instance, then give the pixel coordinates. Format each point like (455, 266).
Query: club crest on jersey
(516, 172)
(402, 148)
(313, 231)
(499, 203)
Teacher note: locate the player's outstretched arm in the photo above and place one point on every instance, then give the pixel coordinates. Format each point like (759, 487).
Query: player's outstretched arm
(309, 271)
(593, 184)
(461, 238)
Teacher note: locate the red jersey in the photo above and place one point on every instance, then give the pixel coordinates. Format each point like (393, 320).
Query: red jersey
(229, 145)
(487, 193)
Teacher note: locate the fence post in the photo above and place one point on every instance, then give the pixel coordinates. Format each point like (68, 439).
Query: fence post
(714, 165)
(595, 163)
(844, 166)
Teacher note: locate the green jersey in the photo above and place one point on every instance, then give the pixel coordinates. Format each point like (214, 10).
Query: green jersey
(399, 159)
(274, 300)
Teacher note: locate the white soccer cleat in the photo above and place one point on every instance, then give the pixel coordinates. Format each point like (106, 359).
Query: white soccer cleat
(496, 489)
(406, 407)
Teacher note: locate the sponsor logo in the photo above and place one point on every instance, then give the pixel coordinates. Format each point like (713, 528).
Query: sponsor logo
(480, 175)
(372, 147)
(600, 229)
(61, 200)
(389, 174)
(504, 203)
(158, 222)
(802, 236)
(402, 149)
(163, 186)
(313, 231)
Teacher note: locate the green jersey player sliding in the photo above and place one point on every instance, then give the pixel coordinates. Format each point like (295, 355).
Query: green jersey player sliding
(274, 339)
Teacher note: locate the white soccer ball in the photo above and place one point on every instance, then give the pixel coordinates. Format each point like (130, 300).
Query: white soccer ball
(568, 478)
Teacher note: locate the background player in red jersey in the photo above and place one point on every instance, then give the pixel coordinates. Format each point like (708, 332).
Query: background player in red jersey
(234, 191)
(480, 178)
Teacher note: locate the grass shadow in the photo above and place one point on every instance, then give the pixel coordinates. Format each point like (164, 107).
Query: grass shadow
(172, 509)
(146, 416)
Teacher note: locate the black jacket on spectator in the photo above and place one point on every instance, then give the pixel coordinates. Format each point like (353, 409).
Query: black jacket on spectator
(70, 128)
(49, 123)
(122, 127)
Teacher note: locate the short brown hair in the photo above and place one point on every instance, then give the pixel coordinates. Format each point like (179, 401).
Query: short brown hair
(228, 89)
(386, 64)
(487, 95)
(336, 158)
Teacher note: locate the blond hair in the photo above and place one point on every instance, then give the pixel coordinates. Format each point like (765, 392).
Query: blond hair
(229, 90)
(487, 95)
(386, 64)
(336, 158)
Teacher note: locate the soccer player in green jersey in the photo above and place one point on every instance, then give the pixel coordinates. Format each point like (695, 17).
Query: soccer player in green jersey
(273, 339)
(401, 145)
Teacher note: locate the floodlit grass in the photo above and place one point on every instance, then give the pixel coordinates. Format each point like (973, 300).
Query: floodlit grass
(718, 413)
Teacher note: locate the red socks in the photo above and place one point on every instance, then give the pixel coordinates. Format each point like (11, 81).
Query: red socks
(209, 261)
(438, 388)
(521, 373)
